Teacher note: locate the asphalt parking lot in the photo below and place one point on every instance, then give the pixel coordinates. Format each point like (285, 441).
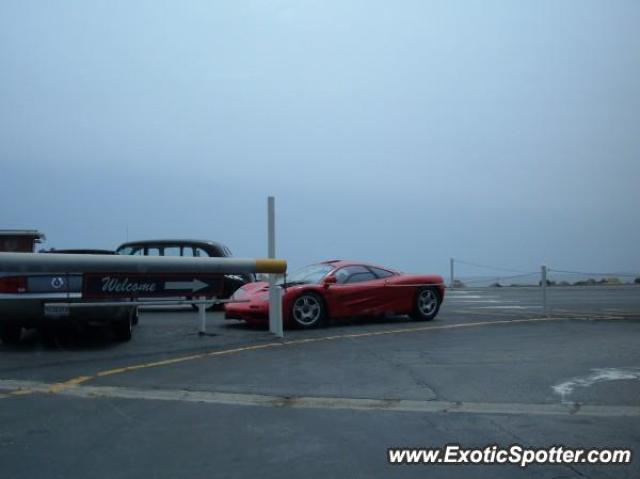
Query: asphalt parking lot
(491, 369)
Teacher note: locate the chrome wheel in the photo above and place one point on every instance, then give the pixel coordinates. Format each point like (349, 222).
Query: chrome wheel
(307, 310)
(427, 302)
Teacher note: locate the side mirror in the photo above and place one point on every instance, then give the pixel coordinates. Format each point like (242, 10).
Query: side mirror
(329, 280)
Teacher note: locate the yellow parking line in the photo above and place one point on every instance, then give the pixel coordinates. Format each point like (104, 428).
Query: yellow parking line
(164, 362)
(246, 348)
(53, 389)
(182, 359)
(58, 387)
(412, 330)
(295, 342)
(22, 392)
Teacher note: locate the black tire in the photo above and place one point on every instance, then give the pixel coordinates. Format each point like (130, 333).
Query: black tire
(10, 333)
(426, 304)
(49, 334)
(123, 329)
(308, 311)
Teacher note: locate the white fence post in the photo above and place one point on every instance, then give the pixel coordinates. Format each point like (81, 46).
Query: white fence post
(271, 227)
(202, 314)
(277, 311)
(275, 292)
(543, 284)
(451, 272)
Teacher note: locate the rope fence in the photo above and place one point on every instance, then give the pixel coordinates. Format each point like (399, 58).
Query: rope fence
(554, 277)
(549, 281)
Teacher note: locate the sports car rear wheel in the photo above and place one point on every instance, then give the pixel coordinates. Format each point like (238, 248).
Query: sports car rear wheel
(308, 310)
(427, 304)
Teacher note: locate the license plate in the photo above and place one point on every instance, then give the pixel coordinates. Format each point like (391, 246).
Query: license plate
(55, 311)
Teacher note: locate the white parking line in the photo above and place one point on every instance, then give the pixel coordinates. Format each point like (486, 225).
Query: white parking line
(470, 296)
(509, 307)
(313, 402)
(480, 301)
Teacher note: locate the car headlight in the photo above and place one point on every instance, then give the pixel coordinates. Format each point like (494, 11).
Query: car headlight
(240, 295)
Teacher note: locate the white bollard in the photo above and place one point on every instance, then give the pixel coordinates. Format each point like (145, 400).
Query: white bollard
(271, 227)
(202, 314)
(543, 283)
(275, 291)
(275, 309)
(451, 273)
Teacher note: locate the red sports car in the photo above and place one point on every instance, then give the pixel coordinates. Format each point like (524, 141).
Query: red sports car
(339, 289)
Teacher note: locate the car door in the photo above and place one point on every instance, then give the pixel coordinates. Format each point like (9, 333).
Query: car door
(357, 292)
(395, 297)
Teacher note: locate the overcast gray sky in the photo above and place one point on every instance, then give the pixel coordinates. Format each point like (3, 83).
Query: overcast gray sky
(504, 132)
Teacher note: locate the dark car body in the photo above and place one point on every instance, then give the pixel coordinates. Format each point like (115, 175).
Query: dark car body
(80, 251)
(37, 300)
(188, 248)
(345, 288)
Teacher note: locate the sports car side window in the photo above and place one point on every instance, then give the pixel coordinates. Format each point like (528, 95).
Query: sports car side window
(359, 277)
(342, 275)
(381, 273)
(353, 274)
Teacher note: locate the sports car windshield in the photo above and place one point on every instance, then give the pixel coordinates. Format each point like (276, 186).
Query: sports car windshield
(309, 274)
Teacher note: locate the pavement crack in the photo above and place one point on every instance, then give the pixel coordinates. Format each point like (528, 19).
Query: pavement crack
(415, 377)
(119, 411)
(519, 439)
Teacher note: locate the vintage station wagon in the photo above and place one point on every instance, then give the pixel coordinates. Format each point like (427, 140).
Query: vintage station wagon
(188, 248)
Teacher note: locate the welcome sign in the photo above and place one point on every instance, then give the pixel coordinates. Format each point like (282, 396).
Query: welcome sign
(127, 285)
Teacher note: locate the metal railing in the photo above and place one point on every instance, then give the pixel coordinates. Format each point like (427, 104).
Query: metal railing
(140, 277)
(546, 279)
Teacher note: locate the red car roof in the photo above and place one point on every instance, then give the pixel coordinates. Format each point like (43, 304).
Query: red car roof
(340, 263)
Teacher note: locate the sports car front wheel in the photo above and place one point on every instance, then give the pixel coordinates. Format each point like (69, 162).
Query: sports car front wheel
(427, 304)
(308, 311)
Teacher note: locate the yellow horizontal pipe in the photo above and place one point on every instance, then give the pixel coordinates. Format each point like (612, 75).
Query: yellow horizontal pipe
(278, 266)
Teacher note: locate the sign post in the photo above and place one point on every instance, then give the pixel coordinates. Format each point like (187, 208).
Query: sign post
(452, 280)
(202, 313)
(543, 284)
(275, 292)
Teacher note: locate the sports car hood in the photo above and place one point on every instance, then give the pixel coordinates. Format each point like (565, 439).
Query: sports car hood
(254, 287)
(259, 291)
